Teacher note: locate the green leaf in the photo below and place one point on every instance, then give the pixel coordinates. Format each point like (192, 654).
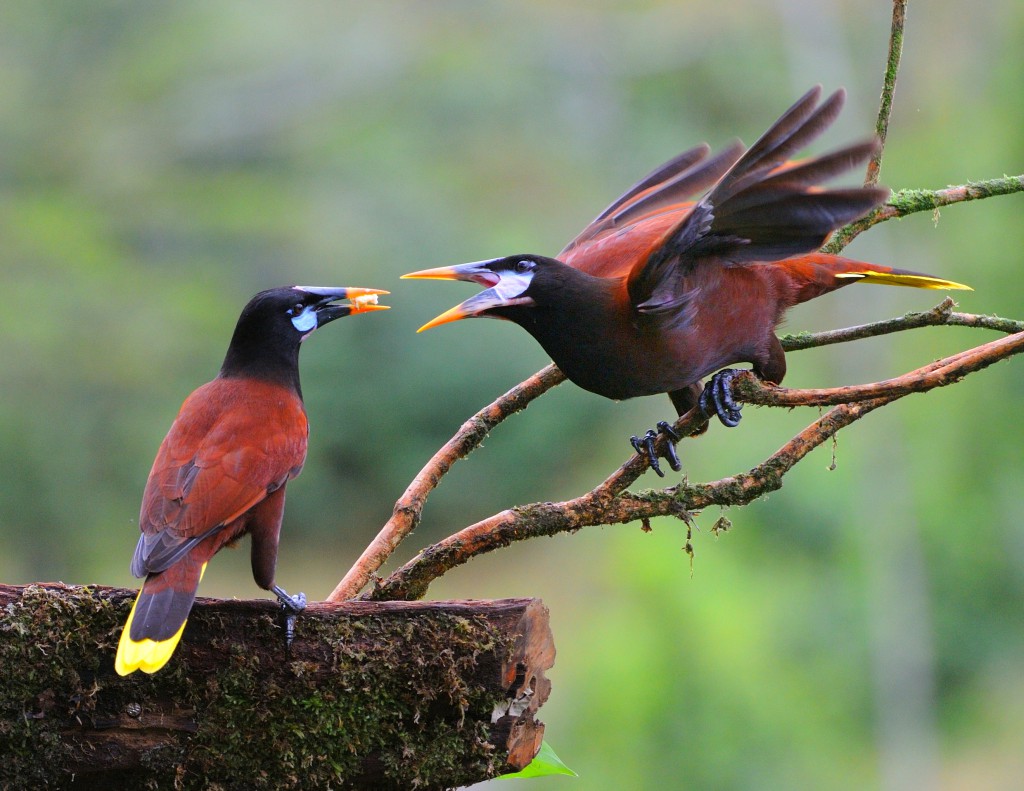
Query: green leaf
(544, 763)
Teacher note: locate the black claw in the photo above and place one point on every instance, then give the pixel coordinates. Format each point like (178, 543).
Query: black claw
(723, 390)
(652, 456)
(645, 447)
(670, 446)
(666, 428)
(292, 606)
(716, 398)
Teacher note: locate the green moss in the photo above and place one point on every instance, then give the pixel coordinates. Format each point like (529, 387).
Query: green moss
(68, 634)
(910, 201)
(358, 712)
(303, 724)
(795, 340)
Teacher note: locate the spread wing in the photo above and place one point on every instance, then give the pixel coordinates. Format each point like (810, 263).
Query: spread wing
(233, 442)
(637, 221)
(763, 209)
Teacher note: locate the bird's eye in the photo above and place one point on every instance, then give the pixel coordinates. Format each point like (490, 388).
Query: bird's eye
(296, 309)
(524, 266)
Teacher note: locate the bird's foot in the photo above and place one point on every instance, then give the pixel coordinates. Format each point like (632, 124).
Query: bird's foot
(716, 398)
(291, 606)
(645, 447)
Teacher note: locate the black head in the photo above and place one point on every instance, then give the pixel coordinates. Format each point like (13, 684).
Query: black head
(266, 341)
(514, 283)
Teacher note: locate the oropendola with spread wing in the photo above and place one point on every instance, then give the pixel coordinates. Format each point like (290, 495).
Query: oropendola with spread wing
(659, 291)
(222, 469)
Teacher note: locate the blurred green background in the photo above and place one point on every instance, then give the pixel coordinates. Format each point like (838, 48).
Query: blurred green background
(860, 629)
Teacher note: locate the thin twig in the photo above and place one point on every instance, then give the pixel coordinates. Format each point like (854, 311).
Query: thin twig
(892, 67)
(941, 315)
(905, 202)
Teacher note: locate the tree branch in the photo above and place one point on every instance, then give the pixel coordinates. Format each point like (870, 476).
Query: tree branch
(608, 503)
(406, 514)
(906, 202)
(938, 374)
(408, 510)
(941, 315)
(596, 508)
(892, 67)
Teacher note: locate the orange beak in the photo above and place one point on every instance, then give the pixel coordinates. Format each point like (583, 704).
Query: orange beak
(361, 300)
(475, 272)
(472, 272)
(454, 314)
(364, 300)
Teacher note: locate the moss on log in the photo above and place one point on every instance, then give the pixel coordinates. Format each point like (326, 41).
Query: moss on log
(369, 695)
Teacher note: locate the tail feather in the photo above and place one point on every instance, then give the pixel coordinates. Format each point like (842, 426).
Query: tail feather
(157, 619)
(902, 278)
(810, 276)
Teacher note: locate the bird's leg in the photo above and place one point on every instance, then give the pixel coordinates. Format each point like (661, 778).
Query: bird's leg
(716, 399)
(292, 606)
(644, 446)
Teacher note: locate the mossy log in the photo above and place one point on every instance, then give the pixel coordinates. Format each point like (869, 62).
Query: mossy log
(369, 695)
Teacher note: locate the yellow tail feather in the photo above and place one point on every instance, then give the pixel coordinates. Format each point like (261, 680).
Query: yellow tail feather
(913, 281)
(145, 655)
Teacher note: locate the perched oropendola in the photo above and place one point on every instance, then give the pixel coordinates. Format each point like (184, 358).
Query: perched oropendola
(659, 291)
(222, 469)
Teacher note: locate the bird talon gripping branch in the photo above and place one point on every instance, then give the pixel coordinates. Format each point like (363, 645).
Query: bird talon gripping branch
(691, 269)
(670, 445)
(294, 604)
(291, 606)
(645, 447)
(718, 392)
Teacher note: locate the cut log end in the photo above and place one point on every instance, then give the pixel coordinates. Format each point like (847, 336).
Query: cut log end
(527, 685)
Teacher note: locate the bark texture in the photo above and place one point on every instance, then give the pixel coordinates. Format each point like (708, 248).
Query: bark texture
(369, 695)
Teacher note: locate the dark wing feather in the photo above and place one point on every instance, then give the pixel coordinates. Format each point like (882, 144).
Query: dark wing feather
(794, 130)
(682, 177)
(680, 163)
(159, 551)
(762, 210)
(684, 185)
(787, 224)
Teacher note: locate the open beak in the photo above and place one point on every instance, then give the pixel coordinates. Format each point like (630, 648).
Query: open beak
(361, 300)
(475, 272)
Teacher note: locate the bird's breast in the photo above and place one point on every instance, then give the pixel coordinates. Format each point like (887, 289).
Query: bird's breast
(619, 359)
(614, 351)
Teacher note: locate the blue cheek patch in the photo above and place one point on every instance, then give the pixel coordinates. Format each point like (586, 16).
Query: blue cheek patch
(305, 321)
